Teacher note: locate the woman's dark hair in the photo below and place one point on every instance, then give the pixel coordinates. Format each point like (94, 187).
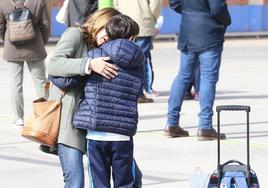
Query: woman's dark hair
(121, 26)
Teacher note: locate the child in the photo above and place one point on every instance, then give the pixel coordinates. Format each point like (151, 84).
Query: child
(108, 108)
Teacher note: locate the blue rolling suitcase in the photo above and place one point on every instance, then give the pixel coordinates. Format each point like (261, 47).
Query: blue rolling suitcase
(233, 173)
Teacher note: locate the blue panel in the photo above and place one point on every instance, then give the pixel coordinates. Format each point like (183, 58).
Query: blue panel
(265, 18)
(256, 18)
(240, 18)
(56, 28)
(172, 21)
(250, 18)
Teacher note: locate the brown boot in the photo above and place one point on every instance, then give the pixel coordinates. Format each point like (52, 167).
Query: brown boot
(204, 134)
(144, 99)
(174, 131)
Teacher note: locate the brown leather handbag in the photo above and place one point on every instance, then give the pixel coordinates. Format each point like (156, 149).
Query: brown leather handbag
(43, 124)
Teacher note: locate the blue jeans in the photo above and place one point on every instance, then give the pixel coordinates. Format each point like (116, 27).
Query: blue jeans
(145, 44)
(71, 160)
(210, 61)
(195, 81)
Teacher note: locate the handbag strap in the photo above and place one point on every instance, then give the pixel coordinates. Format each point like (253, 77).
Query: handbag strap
(47, 86)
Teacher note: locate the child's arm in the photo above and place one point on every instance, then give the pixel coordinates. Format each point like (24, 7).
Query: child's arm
(67, 83)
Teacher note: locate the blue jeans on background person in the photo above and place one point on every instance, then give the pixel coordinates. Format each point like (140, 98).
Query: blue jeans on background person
(194, 83)
(196, 79)
(210, 61)
(71, 160)
(145, 44)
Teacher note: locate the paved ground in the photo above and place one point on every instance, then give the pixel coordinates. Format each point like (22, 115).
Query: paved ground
(166, 163)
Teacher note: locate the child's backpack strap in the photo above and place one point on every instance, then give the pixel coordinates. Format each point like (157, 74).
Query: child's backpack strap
(236, 177)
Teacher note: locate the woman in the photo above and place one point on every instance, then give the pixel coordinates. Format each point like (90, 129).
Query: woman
(67, 61)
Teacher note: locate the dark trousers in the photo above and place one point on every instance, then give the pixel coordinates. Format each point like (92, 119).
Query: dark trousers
(104, 155)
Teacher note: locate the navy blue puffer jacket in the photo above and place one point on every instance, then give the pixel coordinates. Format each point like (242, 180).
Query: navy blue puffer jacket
(111, 105)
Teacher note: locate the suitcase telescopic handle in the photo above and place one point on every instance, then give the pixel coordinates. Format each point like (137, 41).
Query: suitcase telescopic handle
(233, 108)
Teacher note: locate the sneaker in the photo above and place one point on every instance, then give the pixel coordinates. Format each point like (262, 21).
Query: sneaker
(196, 96)
(18, 123)
(211, 134)
(144, 99)
(174, 131)
(152, 93)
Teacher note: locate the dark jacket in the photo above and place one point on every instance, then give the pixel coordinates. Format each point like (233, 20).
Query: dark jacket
(78, 10)
(35, 50)
(203, 23)
(110, 105)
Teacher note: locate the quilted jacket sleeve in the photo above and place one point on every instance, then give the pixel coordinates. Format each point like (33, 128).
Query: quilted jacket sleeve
(67, 83)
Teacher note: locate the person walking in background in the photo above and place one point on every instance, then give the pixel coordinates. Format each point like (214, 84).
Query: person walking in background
(149, 91)
(78, 10)
(145, 13)
(201, 39)
(110, 134)
(32, 53)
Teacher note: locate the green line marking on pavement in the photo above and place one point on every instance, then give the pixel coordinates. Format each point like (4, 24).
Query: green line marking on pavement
(6, 117)
(254, 144)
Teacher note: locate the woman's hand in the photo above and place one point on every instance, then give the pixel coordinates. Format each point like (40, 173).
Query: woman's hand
(100, 66)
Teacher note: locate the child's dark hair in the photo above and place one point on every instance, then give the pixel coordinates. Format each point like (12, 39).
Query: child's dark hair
(121, 26)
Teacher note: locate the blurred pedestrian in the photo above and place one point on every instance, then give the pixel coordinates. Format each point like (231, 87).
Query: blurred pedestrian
(201, 39)
(32, 53)
(145, 13)
(78, 10)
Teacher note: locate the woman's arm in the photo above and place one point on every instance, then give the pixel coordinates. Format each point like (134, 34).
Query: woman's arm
(65, 60)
